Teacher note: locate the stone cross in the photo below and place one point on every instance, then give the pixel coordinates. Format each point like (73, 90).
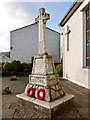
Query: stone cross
(41, 20)
(67, 33)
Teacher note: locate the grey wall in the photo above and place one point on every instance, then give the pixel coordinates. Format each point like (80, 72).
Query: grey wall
(24, 43)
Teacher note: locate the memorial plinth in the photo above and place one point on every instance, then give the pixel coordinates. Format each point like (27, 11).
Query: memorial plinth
(44, 92)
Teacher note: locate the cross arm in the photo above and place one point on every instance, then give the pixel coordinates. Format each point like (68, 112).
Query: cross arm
(47, 16)
(36, 20)
(68, 32)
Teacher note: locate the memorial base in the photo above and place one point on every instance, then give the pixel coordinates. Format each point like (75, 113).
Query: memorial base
(50, 109)
(43, 77)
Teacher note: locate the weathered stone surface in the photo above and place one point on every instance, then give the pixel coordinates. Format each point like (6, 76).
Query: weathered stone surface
(47, 95)
(38, 79)
(41, 21)
(51, 109)
(51, 93)
(39, 66)
(43, 80)
(57, 88)
(57, 95)
(53, 88)
(43, 65)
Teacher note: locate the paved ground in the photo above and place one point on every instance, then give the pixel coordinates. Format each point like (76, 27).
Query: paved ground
(12, 109)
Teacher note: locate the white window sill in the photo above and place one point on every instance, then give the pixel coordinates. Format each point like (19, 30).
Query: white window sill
(86, 67)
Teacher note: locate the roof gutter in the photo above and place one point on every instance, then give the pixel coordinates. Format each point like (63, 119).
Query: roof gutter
(70, 12)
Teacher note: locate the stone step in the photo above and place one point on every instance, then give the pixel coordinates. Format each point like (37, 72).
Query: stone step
(51, 109)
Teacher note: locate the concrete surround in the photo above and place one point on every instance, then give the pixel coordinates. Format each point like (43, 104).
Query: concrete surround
(51, 109)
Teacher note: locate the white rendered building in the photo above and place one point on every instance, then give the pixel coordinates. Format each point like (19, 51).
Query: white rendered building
(24, 43)
(76, 40)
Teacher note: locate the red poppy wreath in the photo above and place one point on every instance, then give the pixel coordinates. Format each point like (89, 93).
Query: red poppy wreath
(30, 92)
(40, 94)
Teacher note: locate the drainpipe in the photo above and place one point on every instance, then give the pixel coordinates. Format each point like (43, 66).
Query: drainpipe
(59, 49)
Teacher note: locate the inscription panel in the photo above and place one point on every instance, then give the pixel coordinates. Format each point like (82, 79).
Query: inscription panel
(39, 66)
(43, 81)
(38, 80)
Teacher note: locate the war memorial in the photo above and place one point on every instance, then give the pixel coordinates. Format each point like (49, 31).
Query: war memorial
(44, 93)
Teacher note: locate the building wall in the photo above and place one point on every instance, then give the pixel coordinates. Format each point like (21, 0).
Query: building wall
(24, 43)
(74, 59)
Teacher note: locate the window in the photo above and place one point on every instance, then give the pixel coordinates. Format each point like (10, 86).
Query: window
(88, 36)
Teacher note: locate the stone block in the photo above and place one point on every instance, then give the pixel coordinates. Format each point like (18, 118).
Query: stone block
(42, 103)
(57, 95)
(52, 94)
(57, 87)
(47, 95)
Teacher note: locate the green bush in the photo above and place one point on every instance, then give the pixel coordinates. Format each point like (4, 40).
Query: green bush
(16, 66)
(24, 66)
(7, 66)
(59, 70)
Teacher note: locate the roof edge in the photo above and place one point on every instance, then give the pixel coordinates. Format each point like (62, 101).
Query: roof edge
(75, 5)
(22, 27)
(34, 24)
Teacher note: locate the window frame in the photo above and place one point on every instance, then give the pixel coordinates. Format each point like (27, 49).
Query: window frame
(88, 36)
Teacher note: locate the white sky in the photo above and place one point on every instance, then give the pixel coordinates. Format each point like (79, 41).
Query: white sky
(10, 21)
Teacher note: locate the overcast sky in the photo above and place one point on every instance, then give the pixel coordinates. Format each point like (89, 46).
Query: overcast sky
(14, 15)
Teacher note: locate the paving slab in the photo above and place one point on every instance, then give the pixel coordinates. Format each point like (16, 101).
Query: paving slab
(15, 110)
